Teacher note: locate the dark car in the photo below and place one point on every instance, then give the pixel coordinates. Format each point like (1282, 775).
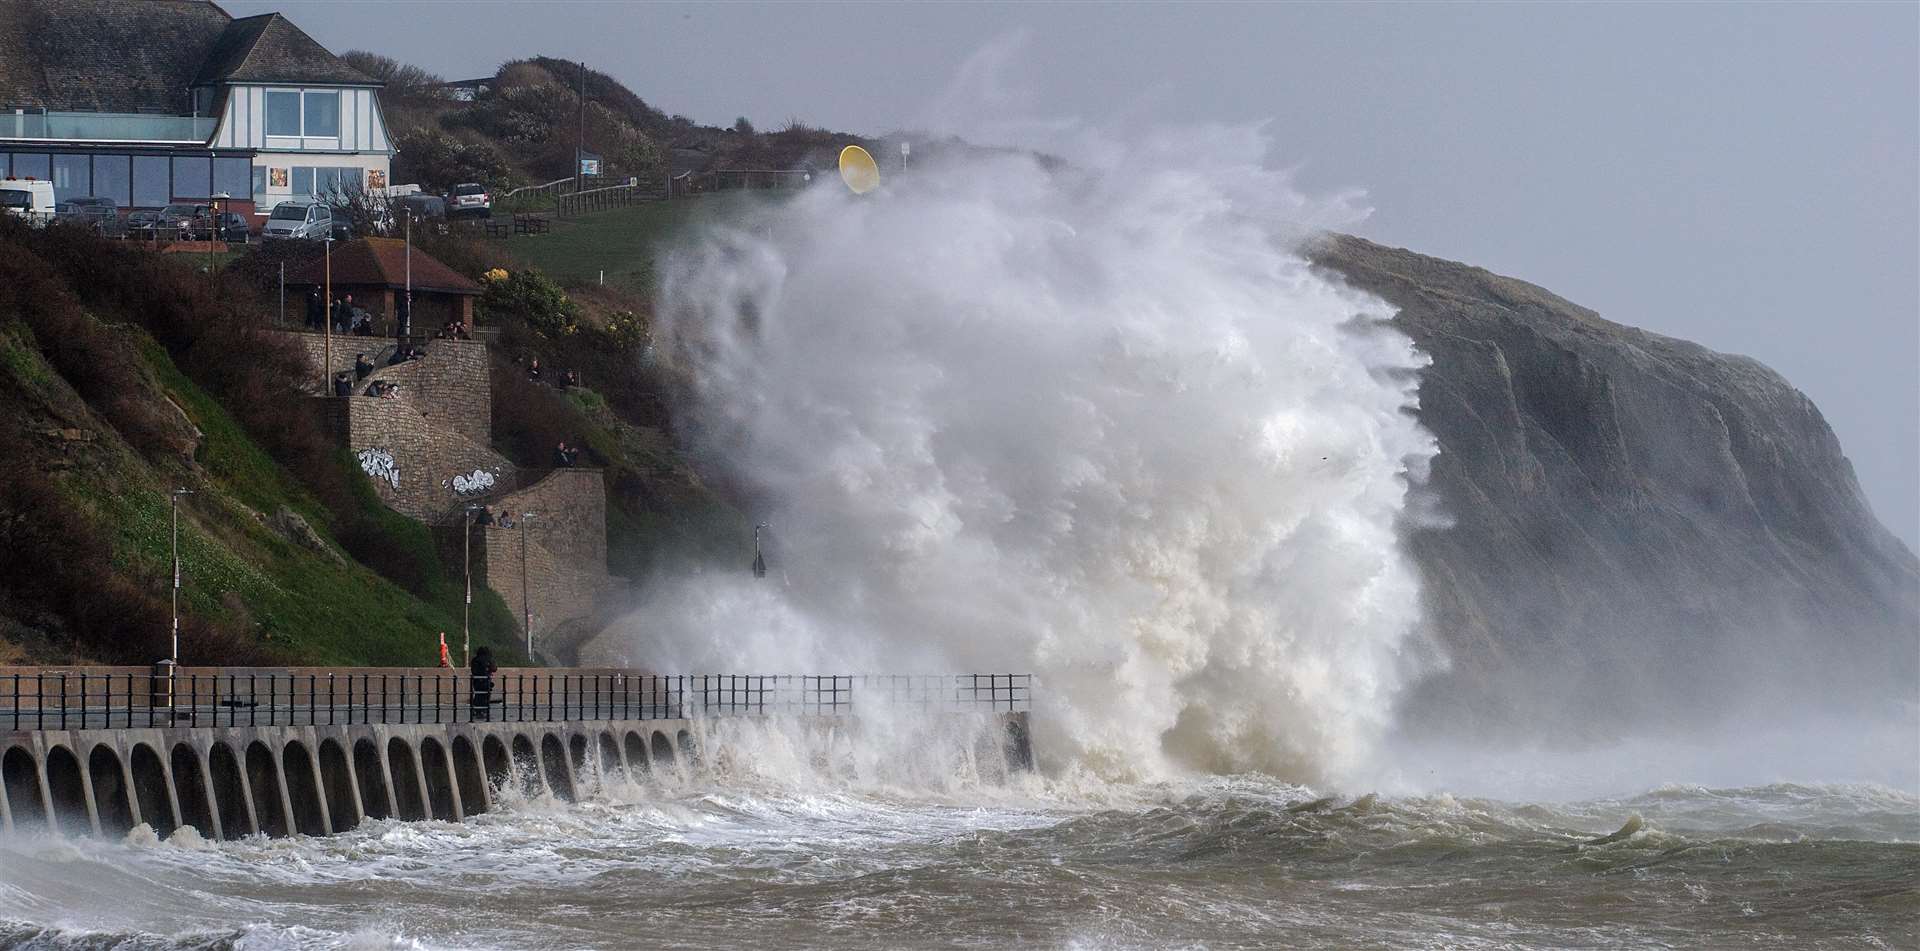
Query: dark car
(233, 228)
(183, 221)
(143, 224)
(421, 207)
(98, 213)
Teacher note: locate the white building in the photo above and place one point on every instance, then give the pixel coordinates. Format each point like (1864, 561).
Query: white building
(149, 102)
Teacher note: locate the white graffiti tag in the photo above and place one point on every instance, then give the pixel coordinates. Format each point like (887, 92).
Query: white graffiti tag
(378, 464)
(479, 482)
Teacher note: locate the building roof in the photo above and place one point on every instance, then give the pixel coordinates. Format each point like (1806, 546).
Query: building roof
(269, 49)
(144, 55)
(382, 262)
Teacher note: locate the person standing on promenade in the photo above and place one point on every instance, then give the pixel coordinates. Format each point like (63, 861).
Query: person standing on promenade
(483, 669)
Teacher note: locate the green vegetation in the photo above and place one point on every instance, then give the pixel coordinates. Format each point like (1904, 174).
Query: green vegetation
(623, 242)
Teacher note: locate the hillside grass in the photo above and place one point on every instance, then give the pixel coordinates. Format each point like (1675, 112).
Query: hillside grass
(626, 242)
(309, 606)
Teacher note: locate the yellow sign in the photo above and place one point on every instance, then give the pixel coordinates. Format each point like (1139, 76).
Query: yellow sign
(858, 170)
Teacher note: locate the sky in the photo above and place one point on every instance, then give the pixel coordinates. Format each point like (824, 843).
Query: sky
(1742, 175)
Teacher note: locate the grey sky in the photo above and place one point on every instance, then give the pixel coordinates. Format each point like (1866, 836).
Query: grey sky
(1746, 176)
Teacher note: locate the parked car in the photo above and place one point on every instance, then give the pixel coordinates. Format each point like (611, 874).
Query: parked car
(183, 221)
(299, 218)
(143, 224)
(470, 198)
(421, 207)
(27, 198)
(232, 228)
(100, 214)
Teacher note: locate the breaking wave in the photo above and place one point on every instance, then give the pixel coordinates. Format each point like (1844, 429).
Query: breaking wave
(1104, 425)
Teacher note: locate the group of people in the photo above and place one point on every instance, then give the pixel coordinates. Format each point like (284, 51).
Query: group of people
(406, 352)
(384, 389)
(341, 314)
(454, 330)
(536, 374)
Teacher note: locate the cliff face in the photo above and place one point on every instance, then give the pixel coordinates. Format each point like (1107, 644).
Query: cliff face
(1639, 526)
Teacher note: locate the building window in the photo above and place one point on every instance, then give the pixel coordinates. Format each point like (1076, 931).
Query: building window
(233, 176)
(27, 165)
(283, 112)
(151, 186)
(303, 179)
(260, 185)
(192, 174)
(72, 177)
(112, 178)
(323, 114)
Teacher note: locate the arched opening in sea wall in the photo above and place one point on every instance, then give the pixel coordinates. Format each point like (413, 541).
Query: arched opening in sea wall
(303, 790)
(371, 774)
(190, 791)
(336, 780)
(406, 781)
(151, 791)
(111, 797)
(69, 793)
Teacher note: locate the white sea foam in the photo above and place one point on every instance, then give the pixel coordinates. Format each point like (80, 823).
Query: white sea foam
(1104, 425)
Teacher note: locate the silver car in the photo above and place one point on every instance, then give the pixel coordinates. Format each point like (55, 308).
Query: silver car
(299, 218)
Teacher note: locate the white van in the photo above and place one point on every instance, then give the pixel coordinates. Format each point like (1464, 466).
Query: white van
(299, 218)
(29, 198)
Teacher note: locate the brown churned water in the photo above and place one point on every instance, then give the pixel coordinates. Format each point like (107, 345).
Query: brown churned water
(757, 860)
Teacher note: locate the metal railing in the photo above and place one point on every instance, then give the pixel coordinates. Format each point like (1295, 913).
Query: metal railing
(81, 700)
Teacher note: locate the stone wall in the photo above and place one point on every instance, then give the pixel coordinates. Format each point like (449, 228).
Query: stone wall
(452, 386)
(559, 589)
(570, 507)
(419, 469)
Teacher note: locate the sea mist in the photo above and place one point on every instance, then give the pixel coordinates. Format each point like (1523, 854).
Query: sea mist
(1103, 424)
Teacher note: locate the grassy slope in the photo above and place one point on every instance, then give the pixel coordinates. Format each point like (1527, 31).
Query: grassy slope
(307, 606)
(623, 242)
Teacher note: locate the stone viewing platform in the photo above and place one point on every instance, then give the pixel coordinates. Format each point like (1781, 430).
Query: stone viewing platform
(233, 752)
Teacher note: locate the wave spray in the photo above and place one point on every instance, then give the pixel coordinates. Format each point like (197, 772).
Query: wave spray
(1102, 423)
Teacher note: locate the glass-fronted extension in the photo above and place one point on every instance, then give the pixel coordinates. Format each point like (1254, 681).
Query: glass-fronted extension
(132, 179)
(104, 127)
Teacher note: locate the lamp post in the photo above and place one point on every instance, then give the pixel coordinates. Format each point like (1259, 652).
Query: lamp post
(759, 563)
(905, 150)
(174, 517)
(526, 598)
(213, 227)
(466, 558)
(406, 312)
(326, 327)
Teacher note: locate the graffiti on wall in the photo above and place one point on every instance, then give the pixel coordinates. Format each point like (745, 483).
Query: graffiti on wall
(477, 482)
(378, 464)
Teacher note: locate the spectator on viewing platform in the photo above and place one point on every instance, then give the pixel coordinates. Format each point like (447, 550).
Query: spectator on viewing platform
(570, 378)
(445, 659)
(343, 314)
(363, 324)
(343, 384)
(565, 458)
(361, 367)
(533, 371)
(316, 310)
(483, 668)
(417, 352)
(483, 517)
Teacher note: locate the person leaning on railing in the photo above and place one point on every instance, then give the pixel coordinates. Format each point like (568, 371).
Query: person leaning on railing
(483, 668)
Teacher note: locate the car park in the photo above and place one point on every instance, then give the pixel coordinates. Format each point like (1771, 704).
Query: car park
(143, 224)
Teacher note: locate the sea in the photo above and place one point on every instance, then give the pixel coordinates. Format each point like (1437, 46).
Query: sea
(735, 855)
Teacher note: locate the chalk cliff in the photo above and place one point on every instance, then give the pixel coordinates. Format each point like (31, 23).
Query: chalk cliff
(1637, 525)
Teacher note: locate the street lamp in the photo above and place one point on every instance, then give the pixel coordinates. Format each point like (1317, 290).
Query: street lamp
(526, 599)
(326, 327)
(759, 563)
(905, 150)
(466, 557)
(174, 517)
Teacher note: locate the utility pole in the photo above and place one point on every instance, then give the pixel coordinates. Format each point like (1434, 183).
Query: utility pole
(283, 293)
(326, 328)
(174, 517)
(526, 594)
(580, 149)
(406, 323)
(466, 610)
